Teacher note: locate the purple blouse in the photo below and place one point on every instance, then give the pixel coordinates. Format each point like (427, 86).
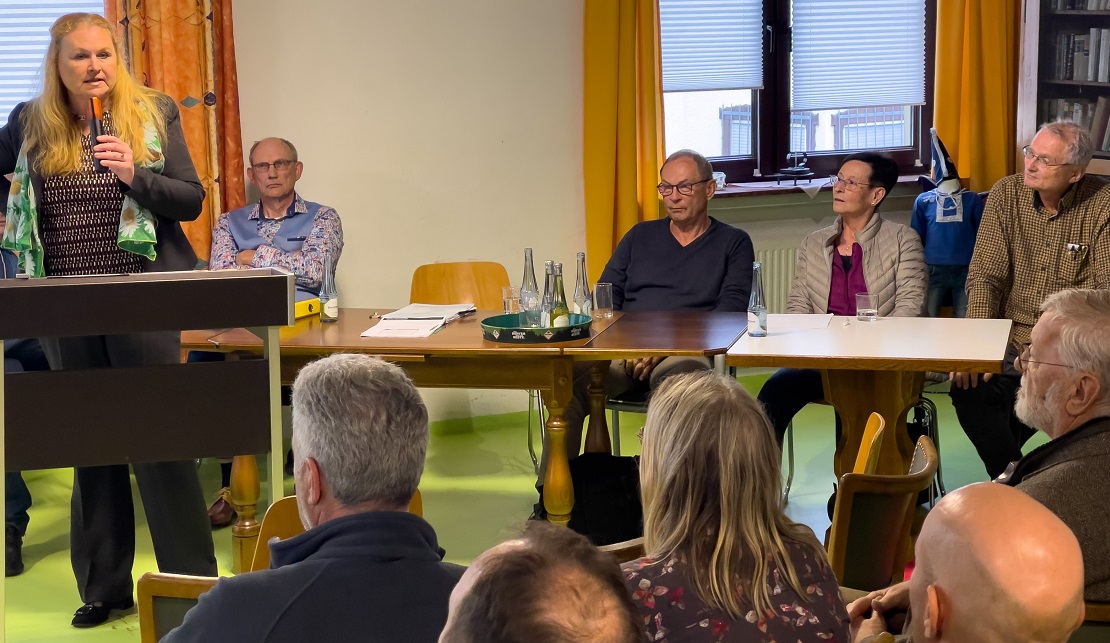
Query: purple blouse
(844, 286)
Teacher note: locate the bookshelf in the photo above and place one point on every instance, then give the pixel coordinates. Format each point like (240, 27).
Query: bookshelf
(1065, 70)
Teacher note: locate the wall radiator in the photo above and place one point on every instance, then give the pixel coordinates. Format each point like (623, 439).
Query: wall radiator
(778, 274)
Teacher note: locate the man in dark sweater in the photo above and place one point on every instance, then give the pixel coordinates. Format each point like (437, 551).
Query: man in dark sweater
(366, 570)
(687, 261)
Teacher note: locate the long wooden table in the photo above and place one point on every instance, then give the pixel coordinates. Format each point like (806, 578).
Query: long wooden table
(459, 357)
(878, 366)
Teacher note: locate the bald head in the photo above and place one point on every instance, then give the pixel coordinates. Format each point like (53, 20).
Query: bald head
(995, 565)
(551, 585)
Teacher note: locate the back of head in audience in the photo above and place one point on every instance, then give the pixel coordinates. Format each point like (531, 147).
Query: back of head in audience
(995, 565)
(711, 489)
(360, 434)
(550, 585)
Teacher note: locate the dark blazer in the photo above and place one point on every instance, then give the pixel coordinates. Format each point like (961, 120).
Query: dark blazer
(173, 196)
(376, 576)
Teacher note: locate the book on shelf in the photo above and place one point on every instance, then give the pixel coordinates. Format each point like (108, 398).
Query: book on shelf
(1082, 56)
(1079, 5)
(1092, 115)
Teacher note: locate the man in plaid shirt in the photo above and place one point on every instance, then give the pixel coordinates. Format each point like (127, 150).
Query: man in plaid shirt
(1043, 230)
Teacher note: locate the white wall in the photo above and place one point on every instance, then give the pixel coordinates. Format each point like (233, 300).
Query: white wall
(440, 130)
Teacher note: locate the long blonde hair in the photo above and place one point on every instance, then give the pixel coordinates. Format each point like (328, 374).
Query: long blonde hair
(710, 484)
(53, 136)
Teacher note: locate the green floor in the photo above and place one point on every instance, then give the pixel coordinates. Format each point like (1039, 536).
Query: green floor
(477, 488)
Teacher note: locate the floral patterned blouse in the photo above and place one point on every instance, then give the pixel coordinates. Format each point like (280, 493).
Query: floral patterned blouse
(672, 613)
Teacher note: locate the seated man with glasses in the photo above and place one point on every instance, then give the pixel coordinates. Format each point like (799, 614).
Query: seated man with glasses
(1043, 230)
(685, 261)
(282, 230)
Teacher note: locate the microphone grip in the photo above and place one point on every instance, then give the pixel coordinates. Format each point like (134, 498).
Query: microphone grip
(96, 129)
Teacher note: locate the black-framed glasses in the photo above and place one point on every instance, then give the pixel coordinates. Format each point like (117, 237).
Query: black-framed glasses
(1022, 361)
(849, 184)
(685, 189)
(1029, 154)
(280, 165)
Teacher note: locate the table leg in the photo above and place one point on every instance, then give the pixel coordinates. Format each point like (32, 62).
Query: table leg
(597, 434)
(558, 492)
(245, 490)
(855, 395)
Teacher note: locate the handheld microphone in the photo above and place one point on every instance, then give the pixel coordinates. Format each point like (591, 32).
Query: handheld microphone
(96, 129)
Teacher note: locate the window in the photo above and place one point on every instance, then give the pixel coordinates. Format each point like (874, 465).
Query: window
(747, 82)
(24, 36)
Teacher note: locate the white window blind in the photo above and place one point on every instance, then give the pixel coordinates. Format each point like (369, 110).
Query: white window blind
(711, 44)
(24, 36)
(848, 54)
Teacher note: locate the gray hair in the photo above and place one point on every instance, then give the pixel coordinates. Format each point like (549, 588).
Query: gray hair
(1084, 342)
(288, 146)
(1080, 147)
(705, 168)
(363, 421)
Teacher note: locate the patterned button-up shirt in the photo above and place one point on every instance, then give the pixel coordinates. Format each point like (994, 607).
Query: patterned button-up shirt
(1023, 253)
(307, 263)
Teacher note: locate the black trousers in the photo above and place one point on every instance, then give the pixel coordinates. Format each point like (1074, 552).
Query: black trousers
(787, 392)
(987, 416)
(102, 521)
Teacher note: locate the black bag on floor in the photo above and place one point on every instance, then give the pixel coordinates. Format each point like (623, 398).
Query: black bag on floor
(607, 505)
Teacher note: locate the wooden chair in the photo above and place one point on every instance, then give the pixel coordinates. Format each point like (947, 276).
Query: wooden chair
(867, 461)
(463, 282)
(872, 519)
(164, 599)
(627, 550)
(1096, 625)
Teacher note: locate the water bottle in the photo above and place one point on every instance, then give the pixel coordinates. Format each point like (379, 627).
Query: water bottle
(583, 298)
(560, 312)
(757, 305)
(329, 299)
(546, 301)
(529, 294)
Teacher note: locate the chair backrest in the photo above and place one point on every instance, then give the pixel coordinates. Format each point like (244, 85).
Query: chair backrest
(867, 461)
(627, 550)
(872, 520)
(164, 599)
(476, 282)
(1096, 625)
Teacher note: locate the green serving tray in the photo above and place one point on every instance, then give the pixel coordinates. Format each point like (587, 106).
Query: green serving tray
(507, 329)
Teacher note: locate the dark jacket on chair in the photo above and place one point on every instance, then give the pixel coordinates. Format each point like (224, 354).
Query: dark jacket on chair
(375, 576)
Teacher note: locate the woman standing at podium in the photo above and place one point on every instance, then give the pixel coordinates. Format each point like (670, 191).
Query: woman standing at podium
(112, 204)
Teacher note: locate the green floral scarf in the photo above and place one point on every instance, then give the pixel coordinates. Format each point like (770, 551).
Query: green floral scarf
(21, 230)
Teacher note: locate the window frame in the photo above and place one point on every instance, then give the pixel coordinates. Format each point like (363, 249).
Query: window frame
(771, 135)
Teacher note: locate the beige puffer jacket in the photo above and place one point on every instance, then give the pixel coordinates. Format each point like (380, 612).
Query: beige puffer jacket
(893, 268)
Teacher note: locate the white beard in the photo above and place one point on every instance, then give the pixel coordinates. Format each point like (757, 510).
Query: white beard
(1037, 412)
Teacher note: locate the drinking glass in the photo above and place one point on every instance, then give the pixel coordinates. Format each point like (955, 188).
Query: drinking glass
(510, 300)
(603, 300)
(867, 307)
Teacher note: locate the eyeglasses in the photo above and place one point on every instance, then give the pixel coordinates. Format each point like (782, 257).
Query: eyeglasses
(280, 166)
(1043, 160)
(685, 189)
(1021, 362)
(851, 185)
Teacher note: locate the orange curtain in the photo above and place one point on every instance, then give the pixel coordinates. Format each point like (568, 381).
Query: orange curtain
(185, 48)
(622, 121)
(975, 96)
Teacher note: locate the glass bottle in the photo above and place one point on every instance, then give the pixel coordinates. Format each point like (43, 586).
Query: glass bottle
(529, 294)
(560, 312)
(757, 305)
(329, 298)
(545, 303)
(583, 298)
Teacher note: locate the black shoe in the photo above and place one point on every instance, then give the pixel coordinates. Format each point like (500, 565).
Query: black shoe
(92, 614)
(13, 542)
(539, 512)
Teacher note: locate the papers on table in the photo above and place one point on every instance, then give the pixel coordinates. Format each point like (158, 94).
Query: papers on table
(418, 320)
(780, 323)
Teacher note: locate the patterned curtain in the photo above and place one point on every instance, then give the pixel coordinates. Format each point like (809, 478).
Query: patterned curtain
(186, 49)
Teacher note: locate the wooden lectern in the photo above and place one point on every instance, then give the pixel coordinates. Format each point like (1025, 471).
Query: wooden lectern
(52, 413)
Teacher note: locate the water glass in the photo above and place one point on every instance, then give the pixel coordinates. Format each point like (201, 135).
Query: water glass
(867, 307)
(603, 300)
(510, 300)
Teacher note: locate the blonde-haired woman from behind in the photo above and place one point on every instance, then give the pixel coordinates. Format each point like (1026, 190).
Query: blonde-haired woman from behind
(723, 561)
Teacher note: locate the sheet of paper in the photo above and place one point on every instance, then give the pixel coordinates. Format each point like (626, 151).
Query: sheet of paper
(404, 328)
(779, 323)
(429, 311)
